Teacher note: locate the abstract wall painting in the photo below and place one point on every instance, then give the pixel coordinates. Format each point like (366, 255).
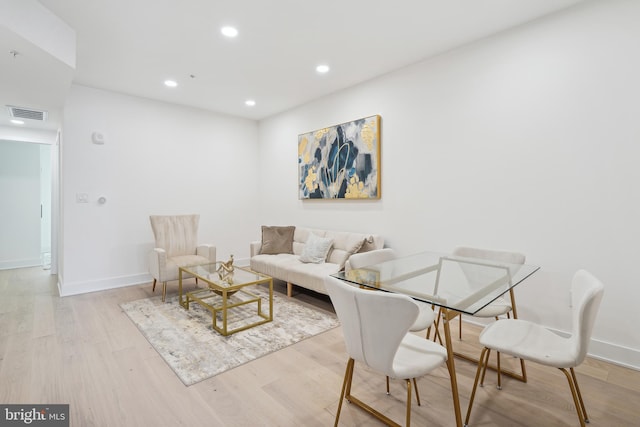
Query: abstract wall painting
(341, 162)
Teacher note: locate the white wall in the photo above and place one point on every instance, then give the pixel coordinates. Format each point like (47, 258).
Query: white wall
(525, 141)
(157, 159)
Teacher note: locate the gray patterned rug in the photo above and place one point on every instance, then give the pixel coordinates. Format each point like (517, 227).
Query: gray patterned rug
(195, 352)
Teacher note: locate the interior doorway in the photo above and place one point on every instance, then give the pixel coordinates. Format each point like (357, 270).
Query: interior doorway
(26, 188)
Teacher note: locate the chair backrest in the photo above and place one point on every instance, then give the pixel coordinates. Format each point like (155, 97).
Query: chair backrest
(489, 254)
(373, 322)
(586, 295)
(478, 274)
(376, 256)
(176, 234)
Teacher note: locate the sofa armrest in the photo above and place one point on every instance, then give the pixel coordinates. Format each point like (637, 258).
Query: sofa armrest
(254, 248)
(158, 263)
(208, 251)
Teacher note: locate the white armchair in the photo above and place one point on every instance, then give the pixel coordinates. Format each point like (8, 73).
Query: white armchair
(176, 246)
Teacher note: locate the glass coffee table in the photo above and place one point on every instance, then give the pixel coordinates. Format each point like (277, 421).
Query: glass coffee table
(228, 292)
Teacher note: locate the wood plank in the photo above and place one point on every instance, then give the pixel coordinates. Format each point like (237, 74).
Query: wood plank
(83, 350)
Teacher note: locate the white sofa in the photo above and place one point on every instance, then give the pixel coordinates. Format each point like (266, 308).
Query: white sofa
(289, 268)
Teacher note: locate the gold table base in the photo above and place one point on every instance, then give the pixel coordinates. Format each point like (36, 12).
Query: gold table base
(202, 295)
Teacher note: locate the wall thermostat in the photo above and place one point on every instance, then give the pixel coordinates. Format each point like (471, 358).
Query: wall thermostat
(97, 138)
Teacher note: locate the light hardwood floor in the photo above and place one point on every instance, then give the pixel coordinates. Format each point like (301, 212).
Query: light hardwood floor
(84, 351)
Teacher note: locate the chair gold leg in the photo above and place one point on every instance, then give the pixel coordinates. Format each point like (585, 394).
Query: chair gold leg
(484, 370)
(346, 394)
(348, 375)
(523, 370)
(484, 356)
(415, 385)
(499, 376)
(154, 286)
(575, 383)
(164, 291)
(408, 422)
(577, 397)
(436, 335)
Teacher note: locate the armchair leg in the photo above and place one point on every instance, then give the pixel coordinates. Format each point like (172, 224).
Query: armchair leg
(164, 291)
(154, 286)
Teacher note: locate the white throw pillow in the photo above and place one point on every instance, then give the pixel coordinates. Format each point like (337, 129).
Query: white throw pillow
(316, 249)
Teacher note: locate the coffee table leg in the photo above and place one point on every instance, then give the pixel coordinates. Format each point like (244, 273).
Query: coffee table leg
(224, 312)
(180, 290)
(271, 299)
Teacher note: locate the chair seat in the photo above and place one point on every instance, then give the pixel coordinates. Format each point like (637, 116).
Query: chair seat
(182, 261)
(425, 318)
(529, 341)
(497, 308)
(414, 348)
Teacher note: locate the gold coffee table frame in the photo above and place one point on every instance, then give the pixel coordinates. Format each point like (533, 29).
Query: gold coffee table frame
(222, 287)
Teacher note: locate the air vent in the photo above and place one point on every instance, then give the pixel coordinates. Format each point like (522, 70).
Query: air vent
(27, 113)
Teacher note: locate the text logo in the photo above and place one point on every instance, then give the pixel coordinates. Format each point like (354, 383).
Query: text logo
(34, 415)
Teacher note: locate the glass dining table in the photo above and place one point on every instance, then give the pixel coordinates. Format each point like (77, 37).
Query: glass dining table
(451, 283)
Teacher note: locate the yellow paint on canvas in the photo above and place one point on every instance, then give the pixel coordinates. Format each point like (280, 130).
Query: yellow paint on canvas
(368, 135)
(310, 180)
(355, 189)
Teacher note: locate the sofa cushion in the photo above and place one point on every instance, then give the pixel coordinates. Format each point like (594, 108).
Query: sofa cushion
(311, 276)
(344, 245)
(316, 249)
(277, 240)
(276, 266)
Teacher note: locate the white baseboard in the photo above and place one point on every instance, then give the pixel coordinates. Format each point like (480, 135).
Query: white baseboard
(616, 354)
(20, 263)
(75, 288)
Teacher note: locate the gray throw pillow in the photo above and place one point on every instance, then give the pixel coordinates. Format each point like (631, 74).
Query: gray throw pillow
(277, 240)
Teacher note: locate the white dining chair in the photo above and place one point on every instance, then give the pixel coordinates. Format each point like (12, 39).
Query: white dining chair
(501, 306)
(536, 343)
(375, 327)
(426, 316)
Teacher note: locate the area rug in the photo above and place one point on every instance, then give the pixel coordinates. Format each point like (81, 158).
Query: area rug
(187, 342)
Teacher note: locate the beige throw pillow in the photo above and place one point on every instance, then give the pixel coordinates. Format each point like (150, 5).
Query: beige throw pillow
(277, 240)
(316, 249)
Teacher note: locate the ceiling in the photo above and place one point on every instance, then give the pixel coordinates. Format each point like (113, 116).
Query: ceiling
(133, 46)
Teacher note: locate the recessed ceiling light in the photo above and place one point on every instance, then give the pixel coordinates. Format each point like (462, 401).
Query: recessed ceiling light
(17, 122)
(170, 83)
(322, 68)
(250, 102)
(229, 31)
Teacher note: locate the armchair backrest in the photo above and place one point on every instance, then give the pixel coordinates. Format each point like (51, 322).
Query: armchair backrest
(373, 322)
(586, 295)
(176, 234)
